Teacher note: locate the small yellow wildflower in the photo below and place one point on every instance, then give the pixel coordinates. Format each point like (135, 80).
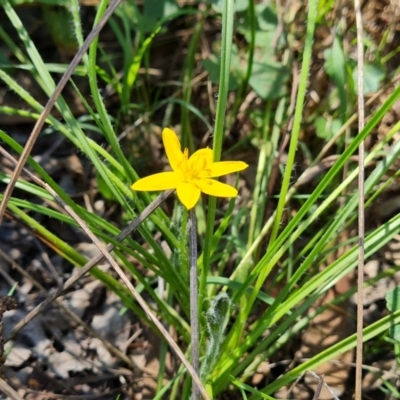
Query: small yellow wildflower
(190, 175)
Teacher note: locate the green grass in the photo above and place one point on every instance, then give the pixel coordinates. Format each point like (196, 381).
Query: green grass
(264, 258)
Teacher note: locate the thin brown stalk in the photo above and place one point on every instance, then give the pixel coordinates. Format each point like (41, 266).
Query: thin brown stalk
(319, 388)
(50, 104)
(361, 225)
(194, 307)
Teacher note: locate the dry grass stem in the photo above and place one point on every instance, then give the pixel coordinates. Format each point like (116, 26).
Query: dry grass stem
(361, 200)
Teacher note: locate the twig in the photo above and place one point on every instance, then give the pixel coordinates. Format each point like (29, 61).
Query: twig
(50, 104)
(9, 391)
(319, 387)
(321, 384)
(361, 225)
(194, 306)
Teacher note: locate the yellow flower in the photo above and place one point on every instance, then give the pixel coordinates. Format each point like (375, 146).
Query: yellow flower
(190, 175)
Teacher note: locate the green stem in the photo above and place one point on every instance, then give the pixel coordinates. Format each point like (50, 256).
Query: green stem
(194, 308)
(183, 246)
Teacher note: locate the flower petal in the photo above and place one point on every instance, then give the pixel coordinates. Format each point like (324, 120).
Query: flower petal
(172, 147)
(201, 159)
(219, 189)
(161, 181)
(226, 167)
(188, 194)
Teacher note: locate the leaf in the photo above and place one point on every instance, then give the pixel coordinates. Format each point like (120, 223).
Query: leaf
(266, 23)
(104, 189)
(268, 80)
(217, 318)
(373, 75)
(266, 18)
(59, 22)
(393, 305)
(335, 66)
(212, 65)
(155, 10)
(327, 128)
(335, 62)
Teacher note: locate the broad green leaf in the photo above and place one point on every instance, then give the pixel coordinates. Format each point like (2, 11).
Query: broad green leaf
(269, 80)
(335, 62)
(213, 68)
(335, 66)
(155, 10)
(327, 128)
(266, 22)
(373, 75)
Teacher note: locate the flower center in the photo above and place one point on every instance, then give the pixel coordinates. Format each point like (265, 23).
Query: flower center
(193, 169)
